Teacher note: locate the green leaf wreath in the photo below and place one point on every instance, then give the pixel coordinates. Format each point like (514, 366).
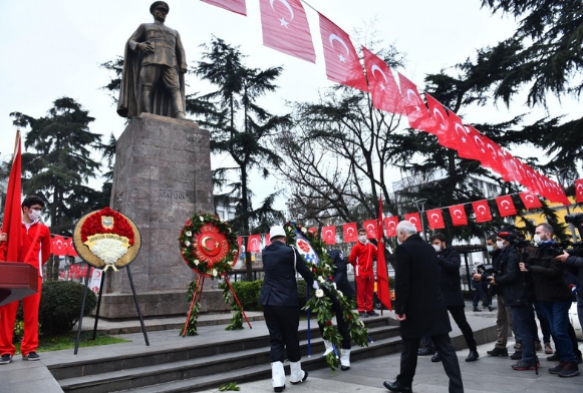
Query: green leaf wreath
(193, 320)
(320, 302)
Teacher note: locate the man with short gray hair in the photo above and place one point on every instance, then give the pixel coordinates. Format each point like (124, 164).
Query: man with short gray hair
(420, 308)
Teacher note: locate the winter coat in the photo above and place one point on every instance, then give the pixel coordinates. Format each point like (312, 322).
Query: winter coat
(449, 277)
(340, 274)
(548, 275)
(509, 278)
(575, 265)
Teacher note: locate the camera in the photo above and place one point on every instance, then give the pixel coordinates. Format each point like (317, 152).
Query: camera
(574, 219)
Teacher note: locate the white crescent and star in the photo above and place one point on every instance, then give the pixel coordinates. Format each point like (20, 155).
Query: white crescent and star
(529, 198)
(464, 132)
(580, 188)
(480, 142)
(505, 204)
(283, 22)
(481, 209)
(435, 217)
(413, 219)
(349, 230)
(334, 37)
(443, 123)
(457, 213)
(415, 100)
(374, 68)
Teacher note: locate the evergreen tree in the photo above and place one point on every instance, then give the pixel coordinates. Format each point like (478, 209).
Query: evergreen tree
(239, 127)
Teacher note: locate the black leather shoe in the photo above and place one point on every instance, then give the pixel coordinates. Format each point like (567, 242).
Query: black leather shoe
(436, 357)
(425, 351)
(473, 356)
(498, 352)
(397, 387)
(555, 357)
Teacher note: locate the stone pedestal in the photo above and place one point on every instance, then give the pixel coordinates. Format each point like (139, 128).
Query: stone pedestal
(162, 176)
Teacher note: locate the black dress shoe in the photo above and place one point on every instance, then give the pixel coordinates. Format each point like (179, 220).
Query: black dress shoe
(555, 357)
(516, 355)
(473, 356)
(397, 387)
(436, 357)
(498, 352)
(425, 351)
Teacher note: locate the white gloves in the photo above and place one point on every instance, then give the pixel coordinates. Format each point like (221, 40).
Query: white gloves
(315, 285)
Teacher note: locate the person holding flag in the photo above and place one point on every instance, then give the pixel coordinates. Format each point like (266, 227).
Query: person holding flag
(36, 248)
(361, 257)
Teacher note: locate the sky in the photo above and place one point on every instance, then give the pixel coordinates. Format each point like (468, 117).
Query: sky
(54, 49)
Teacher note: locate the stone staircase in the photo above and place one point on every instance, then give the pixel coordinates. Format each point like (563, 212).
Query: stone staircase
(192, 368)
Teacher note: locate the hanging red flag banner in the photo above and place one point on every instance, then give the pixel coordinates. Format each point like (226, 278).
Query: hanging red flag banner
(350, 233)
(579, 190)
(370, 226)
(415, 218)
(342, 62)
(59, 246)
(443, 123)
(383, 289)
(458, 215)
(286, 29)
(391, 226)
(254, 243)
(435, 219)
(267, 240)
(506, 206)
(236, 6)
(383, 88)
(329, 234)
(12, 206)
(530, 200)
(313, 230)
(482, 211)
(415, 107)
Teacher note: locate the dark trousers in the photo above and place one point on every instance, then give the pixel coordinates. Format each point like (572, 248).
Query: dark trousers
(557, 314)
(522, 317)
(283, 323)
(342, 325)
(459, 316)
(445, 349)
(545, 327)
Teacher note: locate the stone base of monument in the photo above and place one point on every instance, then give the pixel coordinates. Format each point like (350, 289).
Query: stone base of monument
(162, 177)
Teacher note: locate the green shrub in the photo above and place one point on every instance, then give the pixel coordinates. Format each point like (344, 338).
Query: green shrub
(248, 294)
(60, 306)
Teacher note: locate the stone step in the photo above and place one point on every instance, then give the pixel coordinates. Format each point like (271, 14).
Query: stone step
(378, 328)
(262, 371)
(145, 372)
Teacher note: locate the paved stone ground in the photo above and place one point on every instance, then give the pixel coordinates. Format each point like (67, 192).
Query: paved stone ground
(484, 376)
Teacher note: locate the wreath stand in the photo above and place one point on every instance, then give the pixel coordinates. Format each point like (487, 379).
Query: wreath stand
(79, 325)
(198, 295)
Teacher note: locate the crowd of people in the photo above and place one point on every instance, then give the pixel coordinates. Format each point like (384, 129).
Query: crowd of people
(528, 281)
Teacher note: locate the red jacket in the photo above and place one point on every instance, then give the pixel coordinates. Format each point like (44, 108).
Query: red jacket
(361, 257)
(41, 248)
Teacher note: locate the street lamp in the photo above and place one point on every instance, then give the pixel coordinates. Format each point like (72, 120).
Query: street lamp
(421, 210)
(561, 174)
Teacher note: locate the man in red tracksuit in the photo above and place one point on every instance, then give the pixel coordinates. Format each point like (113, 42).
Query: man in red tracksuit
(36, 249)
(361, 257)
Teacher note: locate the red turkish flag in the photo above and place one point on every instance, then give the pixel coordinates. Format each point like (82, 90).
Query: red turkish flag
(59, 246)
(391, 226)
(329, 234)
(530, 200)
(285, 28)
(495, 160)
(506, 206)
(12, 209)
(254, 243)
(534, 181)
(480, 151)
(71, 248)
(465, 139)
(415, 218)
(313, 230)
(435, 219)
(383, 88)
(237, 6)
(383, 290)
(342, 62)
(350, 232)
(370, 226)
(482, 211)
(414, 106)
(458, 215)
(579, 190)
(267, 240)
(444, 125)
(239, 241)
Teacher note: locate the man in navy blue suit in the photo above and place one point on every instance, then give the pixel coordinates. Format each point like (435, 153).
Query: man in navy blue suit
(281, 307)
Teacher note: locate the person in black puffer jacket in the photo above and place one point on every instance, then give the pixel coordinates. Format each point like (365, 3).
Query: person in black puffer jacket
(554, 295)
(512, 282)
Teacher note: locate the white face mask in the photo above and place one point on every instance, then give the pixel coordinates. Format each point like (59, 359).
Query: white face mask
(34, 215)
(362, 239)
(436, 247)
(500, 244)
(536, 238)
(490, 248)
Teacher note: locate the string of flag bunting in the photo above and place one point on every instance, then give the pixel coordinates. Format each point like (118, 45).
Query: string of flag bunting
(286, 29)
(435, 220)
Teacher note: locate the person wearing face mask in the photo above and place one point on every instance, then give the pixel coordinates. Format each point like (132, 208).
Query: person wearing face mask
(511, 283)
(554, 297)
(450, 283)
(361, 257)
(36, 249)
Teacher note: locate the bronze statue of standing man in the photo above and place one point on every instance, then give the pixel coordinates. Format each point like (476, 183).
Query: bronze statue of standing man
(154, 68)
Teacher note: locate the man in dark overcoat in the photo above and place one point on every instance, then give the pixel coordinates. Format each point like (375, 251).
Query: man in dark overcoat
(281, 306)
(420, 309)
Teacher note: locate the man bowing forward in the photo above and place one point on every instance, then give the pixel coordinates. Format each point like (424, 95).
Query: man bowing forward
(420, 309)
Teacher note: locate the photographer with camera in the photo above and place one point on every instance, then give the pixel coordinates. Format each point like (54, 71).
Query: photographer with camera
(503, 318)
(553, 295)
(514, 291)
